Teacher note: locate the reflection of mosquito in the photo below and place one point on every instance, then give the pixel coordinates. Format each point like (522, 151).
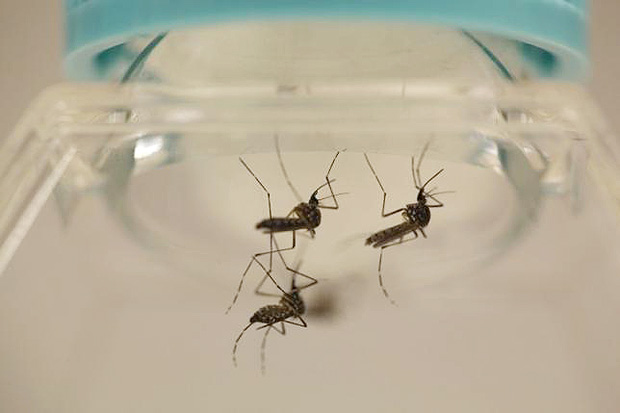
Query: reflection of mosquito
(306, 215)
(291, 307)
(416, 215)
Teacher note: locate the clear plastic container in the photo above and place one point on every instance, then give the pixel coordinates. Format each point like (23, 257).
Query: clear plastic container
(126, 221)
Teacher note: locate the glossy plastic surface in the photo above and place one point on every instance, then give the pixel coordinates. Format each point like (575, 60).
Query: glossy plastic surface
(551, 34)
(127, 219)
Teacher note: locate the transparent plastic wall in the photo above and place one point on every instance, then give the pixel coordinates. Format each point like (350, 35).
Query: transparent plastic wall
(127, 220)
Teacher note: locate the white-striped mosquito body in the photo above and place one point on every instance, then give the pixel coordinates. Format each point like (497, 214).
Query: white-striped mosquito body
(416, 216)
(289, 310)
(304, 216)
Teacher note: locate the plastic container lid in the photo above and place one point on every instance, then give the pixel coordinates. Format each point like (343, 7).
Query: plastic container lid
(553, 33)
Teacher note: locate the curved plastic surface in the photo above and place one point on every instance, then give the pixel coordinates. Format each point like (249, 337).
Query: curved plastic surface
(553, 33)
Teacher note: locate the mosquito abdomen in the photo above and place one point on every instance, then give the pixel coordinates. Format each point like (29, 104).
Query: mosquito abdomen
(281, 224)
(270, 314)
(378, 239)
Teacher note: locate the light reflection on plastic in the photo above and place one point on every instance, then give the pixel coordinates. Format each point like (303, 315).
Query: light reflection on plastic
(148, 146)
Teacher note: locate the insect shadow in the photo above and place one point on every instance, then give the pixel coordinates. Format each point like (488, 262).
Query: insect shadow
(290, 308)
(304, 216)
(416, 215)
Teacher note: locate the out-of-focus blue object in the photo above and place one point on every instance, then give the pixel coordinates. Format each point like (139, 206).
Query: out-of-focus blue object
(552, 32)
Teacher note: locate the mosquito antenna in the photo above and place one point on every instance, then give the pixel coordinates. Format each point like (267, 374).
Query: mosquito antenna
(331, 196)
(234, 353)
(324, 185)
(434, 199)
(415, 181)
(439, 193)
(431, 178)
(422, 154)
(288, 180)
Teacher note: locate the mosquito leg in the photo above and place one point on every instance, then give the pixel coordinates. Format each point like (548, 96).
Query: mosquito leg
(399, 242)
(282, 331)
(294, 271)
(265, 270)
(267, 325)
(268, 328)
(234, 352)
(269, 205)
(267, 274)
(292, 247)
(302, 324)
(422, 231)
(301, 274)
(258, 291)
(263, 346)
(240, 285)
(383, 213)
(329, 185)
(307, 236)
(288, 180)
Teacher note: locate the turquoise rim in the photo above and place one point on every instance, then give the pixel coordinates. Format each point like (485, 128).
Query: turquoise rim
(553, 33)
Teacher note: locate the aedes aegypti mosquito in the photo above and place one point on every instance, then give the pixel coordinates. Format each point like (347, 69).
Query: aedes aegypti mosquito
(291, 307)
(416, 215)
(304, 216)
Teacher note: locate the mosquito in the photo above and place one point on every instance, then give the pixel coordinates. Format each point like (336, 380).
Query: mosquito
(416, 216)
(290, 308)
(304, 216)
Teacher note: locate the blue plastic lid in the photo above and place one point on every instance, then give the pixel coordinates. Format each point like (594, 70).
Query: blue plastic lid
(553, 32)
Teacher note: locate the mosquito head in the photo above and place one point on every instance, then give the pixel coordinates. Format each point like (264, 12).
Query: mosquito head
(293, 286)
(314, 201)
(421, 197)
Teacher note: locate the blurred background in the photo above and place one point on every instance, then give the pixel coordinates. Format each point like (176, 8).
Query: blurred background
(31, 44)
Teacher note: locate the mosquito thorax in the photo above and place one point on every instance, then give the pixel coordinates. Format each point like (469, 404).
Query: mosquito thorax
(297, 303)
(294, 302)
(311, 213)
(419, 213)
